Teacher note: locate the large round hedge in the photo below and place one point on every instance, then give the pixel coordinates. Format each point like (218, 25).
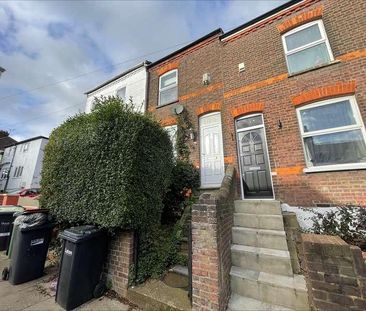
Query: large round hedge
(110, 168)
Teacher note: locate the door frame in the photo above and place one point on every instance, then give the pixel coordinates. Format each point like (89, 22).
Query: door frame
(201, 148)
(267, 153)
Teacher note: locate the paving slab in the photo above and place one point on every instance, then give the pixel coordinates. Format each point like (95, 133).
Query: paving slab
(37, 295)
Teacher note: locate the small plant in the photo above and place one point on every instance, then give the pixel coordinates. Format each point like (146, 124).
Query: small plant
(347, 222)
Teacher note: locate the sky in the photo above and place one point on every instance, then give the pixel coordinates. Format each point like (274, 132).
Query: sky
(55, 51)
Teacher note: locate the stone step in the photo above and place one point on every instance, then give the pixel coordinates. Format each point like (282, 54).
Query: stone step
(241, 303)
(271, 222)
(263, 238)
(177, 277)
(261, 259)
(182, 270)
(286, 291)
(262, 207)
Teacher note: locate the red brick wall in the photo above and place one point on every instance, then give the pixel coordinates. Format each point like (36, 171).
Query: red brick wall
(119, 261)
(212, 221)
(335, 273)
(265, 81)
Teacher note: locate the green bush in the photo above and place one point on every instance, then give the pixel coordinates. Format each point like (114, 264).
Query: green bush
(109, 168)
(347, 222)
(185, 181)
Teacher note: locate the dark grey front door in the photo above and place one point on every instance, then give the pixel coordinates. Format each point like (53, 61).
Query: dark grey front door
(253, 157)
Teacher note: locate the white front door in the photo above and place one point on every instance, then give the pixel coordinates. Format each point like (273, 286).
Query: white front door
(212, 155)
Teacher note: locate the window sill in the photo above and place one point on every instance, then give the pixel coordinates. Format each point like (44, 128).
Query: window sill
(332, 168)
(174, 102)
(314, 68)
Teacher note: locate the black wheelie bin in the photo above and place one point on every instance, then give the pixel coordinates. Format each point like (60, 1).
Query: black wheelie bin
(31, 237)
(83, 254)
(6, 224)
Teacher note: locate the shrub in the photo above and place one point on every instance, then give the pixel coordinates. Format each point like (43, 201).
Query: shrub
(347, 222)
(109, 168)
(184, 182)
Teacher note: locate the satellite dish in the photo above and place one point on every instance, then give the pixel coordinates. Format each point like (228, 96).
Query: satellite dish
(178, 109)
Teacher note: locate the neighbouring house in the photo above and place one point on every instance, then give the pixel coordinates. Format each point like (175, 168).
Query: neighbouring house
(129, 85)
(282, 97)
(21, 164)
(4, 142)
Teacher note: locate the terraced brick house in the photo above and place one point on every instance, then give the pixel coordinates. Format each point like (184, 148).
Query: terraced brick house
(282, 97)
(277, 108)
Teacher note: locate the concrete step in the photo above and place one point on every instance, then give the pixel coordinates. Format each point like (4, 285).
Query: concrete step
(262, 207)
(271, 222)
(261, 259)
(240, 303)
(264, 238)
(286, 291)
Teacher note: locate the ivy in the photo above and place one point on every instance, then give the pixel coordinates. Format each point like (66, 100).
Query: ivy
(184, 128)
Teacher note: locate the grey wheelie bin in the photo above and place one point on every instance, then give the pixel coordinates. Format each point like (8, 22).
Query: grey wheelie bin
(6, 224)
(31, 237)
(83, 255)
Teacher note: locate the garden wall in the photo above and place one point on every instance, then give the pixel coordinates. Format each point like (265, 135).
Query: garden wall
(119, 261)
(335, 273)
(212, 220)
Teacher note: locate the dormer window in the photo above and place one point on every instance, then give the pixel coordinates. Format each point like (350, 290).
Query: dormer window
(168, 87)
(307, 47)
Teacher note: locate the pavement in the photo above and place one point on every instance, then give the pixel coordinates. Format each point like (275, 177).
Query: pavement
(39, 294)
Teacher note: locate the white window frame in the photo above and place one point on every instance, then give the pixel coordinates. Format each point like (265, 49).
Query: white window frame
(20, 171)
(358, 126)
(168, 87)
(324, 39)
(25, 147)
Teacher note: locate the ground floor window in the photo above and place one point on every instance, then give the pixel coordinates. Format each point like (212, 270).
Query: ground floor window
(172, 132)
(333, 133)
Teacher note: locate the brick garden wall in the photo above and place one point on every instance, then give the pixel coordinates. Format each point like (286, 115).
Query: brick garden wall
(212, 220)
(120, 260)
(265, 86)
(335, 273)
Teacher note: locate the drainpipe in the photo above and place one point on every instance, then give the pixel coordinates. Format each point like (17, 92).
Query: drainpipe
(11, 165)
(147, 85)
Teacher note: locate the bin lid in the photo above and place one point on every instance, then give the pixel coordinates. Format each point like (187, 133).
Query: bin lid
(10, 209)
(81, 233)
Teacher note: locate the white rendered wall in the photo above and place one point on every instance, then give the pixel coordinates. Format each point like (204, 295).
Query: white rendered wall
(31, 160)
(135, 83)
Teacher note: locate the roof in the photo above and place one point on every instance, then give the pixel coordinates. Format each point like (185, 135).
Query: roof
(145, 63)
(217, 31)
(261, 17)
(6, 141)
(27, 140)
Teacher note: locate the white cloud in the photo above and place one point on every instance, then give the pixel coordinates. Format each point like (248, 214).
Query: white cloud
(54, 40)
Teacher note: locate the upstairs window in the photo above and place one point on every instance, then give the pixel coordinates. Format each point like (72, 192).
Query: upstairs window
(307, 47)
(168, 87)
(333, 134)
(25, 147)
(121, 93)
